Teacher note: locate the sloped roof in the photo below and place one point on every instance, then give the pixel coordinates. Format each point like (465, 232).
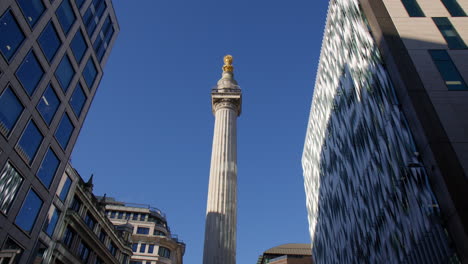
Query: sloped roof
(291, 249)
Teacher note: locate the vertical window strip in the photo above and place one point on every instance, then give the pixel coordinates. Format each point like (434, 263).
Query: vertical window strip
(413, 8)
(448, 71)
(454, 8)
(454, 41)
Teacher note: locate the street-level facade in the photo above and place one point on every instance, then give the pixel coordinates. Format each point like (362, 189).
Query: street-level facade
(385, 157)
(52, 55)
(152, 240)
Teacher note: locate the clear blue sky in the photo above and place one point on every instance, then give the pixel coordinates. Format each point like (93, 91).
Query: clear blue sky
(147, 137)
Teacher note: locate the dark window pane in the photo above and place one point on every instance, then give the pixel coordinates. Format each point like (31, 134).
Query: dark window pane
(49, 42)
(48, 168)
(64, 73)
(10, 110)
(32, 10)
(65, 16)
(12, 36)
(89, 73)
(30, 73)
(142, 248)
(164, 252)
(64, 131)
(48, 104)
(10, 244)
(450, 34)
(151, 249)
(39, 253)
(29, 142)
(68, 236)
(78, 46)
(454, 8)
(51, 221)
(83, 252)
(134, 247)
(90, 21)
(10, 181)
(112, 249)
(76, 204)
(78, 100)
(79, 3)
(100, 9)
(29, 211)
(65, 189)
(412, 7)
(90, 222)
(447, 70)
(143, 230)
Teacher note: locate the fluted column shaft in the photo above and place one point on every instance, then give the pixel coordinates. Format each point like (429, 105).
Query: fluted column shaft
(221, 213)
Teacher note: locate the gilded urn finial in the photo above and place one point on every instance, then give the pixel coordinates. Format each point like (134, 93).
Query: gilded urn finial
(228, 64)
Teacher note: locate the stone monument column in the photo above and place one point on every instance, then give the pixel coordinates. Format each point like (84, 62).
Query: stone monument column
(221, 211)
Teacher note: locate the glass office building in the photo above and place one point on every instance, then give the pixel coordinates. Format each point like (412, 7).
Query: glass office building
(385, 158)
(52, 55)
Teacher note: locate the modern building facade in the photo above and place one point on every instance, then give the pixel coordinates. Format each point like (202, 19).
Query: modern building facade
(83, 233)
(221, 209)
(152, 240)
(287, 254)
(52, 56)
(385, 158)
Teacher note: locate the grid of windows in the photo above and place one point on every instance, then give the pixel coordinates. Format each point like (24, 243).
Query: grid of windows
(12, 36)
(78, 100)
(48, 104)
(29, 143)
(447, 70)
(30, 73)
(454, 40)
(10, 181)
(454, 8)
(32, 10)
(64, 73)
(78, 46)
(93, 14)
(102, 41)
(413, 8)
(28, 213)
(49, 41)
(10, 110)
(65, 16)
(48, 168)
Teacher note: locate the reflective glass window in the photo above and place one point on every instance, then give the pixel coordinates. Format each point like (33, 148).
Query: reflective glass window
(79, 3)
(164, 252)
(66, 187)
(413, 8)
(49, 41)
(30, 73)
(454, 8)
(29, 211)
(90, 21)
(150, 248)
(78, 46)
(134, 247)
(447, 70)
(29, 142)
(48, 104)
(10, 181)
(48, 168)
(51, 220)
(12, 36)
(102, 41)
(143, 230)
(10, 110)
(450, 34)
(32, 10)
(64, 73)
(65, 16)
(64, 131)
(78, 100)
(142, 248)
(90, 73)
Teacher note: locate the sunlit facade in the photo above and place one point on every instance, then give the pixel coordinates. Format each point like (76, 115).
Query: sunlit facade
(371, 170)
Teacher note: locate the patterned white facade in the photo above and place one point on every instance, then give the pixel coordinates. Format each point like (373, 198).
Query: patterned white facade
(368, 197)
